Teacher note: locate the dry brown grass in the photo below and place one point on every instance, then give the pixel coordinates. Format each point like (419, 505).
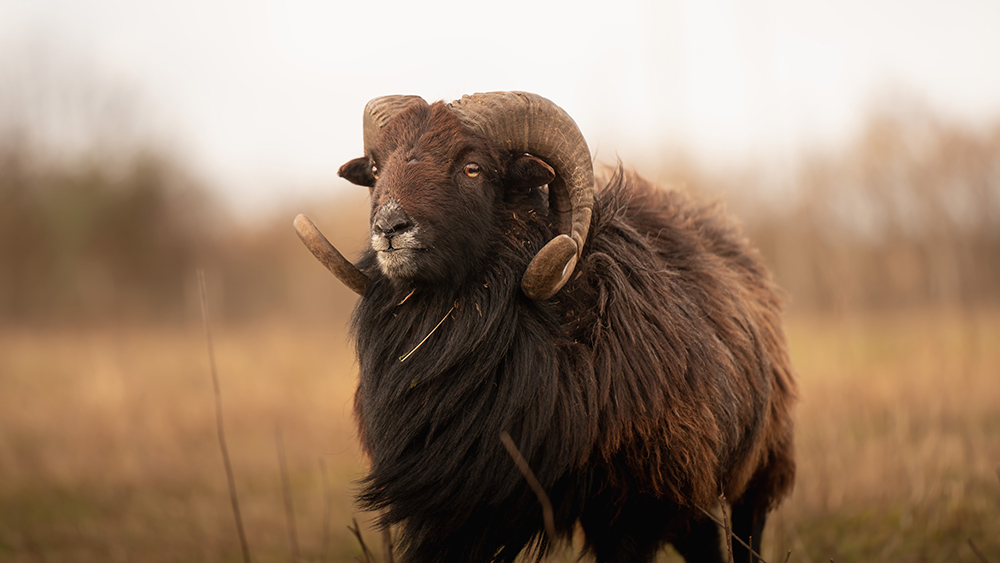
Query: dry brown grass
(108, 449)
(898, 438)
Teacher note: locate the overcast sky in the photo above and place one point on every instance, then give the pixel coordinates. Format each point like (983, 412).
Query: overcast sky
(265, 96)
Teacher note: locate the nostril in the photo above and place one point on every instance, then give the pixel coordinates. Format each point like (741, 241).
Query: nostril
(399, 226)
(391, 220)
(393, 225)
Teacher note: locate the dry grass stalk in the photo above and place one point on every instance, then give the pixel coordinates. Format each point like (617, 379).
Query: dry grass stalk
(529, 476)
(244, 546)
(977, 551)
(366, 555)
(421, 343)
(387, 544)
(729, 532)
(286, 493)
(408, 295)
(724, 524)
(327, 510)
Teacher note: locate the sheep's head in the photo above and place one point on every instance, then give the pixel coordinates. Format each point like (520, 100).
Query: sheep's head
(438, 172)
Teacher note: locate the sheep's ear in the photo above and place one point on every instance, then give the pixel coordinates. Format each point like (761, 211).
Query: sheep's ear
(527, 171)
(358, 171)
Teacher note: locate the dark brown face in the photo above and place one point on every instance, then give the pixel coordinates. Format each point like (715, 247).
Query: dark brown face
(436, 191)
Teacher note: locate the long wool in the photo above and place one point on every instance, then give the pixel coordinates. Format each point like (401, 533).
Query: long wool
(660, 369)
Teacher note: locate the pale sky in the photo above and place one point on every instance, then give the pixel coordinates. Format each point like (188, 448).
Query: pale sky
(265, 96)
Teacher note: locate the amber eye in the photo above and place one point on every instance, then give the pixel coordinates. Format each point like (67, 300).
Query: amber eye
(375, 171)
(472, 170)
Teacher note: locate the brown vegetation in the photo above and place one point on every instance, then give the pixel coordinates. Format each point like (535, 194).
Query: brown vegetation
(108, 449)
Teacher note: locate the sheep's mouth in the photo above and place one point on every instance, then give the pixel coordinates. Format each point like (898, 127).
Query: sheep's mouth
(406, 253)
(407, 240)
(393, 247)
(399, 261)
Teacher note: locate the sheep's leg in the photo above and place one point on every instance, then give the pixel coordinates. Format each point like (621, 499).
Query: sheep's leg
(478, 539)
(627, 543)
(750, 510)
(749, 517)
(628, 533)
(702, 542)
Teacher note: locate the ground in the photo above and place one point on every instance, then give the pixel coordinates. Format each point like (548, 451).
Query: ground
(108, 446)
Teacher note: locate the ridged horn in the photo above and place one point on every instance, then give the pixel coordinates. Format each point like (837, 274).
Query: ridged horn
(329, 256)
(379, 111)
(528, 123)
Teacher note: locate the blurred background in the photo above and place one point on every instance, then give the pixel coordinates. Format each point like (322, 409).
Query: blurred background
(858, 142)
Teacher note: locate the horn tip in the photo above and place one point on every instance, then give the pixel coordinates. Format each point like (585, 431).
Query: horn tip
(550, 269)
(304, 227)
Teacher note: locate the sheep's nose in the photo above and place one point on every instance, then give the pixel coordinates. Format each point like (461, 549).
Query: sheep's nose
(392, 220)
(393, 226)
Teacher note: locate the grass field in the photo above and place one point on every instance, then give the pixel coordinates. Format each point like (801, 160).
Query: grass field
(108, 448)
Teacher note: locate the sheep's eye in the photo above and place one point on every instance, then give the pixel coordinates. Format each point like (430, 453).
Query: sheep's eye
(472, 170)
(375, 171)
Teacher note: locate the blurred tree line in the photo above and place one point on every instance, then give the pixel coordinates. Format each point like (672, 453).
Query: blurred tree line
(905, 215)
(109, 239)
(115, 229)
(91, 238)
(101, 220)
(121, 239)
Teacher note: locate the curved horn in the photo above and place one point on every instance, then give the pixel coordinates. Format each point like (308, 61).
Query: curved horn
(524, 122)
(326, 253)
(379, 111)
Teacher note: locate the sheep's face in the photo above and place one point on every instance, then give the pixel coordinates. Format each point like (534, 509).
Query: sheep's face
(437, 189)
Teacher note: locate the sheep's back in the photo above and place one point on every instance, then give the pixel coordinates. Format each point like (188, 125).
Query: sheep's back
(693, 380)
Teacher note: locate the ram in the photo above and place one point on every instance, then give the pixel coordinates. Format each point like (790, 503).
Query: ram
(627, 339)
